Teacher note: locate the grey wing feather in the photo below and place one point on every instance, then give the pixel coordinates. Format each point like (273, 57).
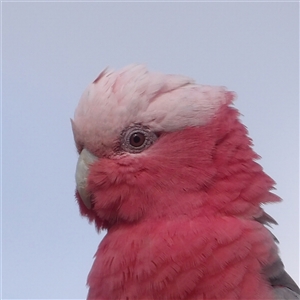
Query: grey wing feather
(284, 280)
(284, 286)
(282, 293)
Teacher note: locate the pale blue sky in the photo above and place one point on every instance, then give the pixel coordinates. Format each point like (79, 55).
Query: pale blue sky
(51, 51)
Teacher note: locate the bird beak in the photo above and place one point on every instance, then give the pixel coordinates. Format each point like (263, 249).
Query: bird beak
(82, 170)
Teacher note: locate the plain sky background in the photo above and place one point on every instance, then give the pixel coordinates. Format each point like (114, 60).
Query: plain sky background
(51, 51)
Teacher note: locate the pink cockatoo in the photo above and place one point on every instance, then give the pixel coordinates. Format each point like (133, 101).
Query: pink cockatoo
(167, 168)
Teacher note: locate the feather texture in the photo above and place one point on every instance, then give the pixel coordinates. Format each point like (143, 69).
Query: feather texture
(184, 215)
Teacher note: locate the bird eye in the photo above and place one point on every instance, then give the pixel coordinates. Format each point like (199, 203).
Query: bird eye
(137, 138)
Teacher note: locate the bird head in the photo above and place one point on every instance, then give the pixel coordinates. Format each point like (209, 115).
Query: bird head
(156, 146)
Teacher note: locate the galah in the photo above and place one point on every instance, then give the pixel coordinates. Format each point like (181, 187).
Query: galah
(167, 168)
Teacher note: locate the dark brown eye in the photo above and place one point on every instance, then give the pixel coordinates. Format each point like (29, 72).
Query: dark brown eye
(137, 139)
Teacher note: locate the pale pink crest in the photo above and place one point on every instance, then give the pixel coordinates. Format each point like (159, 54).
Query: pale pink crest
(133, 95)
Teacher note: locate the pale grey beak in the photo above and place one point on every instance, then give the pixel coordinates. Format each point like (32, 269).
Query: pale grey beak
(82, 171)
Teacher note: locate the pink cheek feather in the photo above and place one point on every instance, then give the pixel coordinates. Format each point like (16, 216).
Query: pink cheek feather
(192, 194)
(196, 171)
(150, 182)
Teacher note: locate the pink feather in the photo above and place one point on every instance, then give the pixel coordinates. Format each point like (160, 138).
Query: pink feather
(181, 214)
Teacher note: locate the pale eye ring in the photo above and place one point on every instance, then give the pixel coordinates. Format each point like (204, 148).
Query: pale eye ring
(137, 138)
